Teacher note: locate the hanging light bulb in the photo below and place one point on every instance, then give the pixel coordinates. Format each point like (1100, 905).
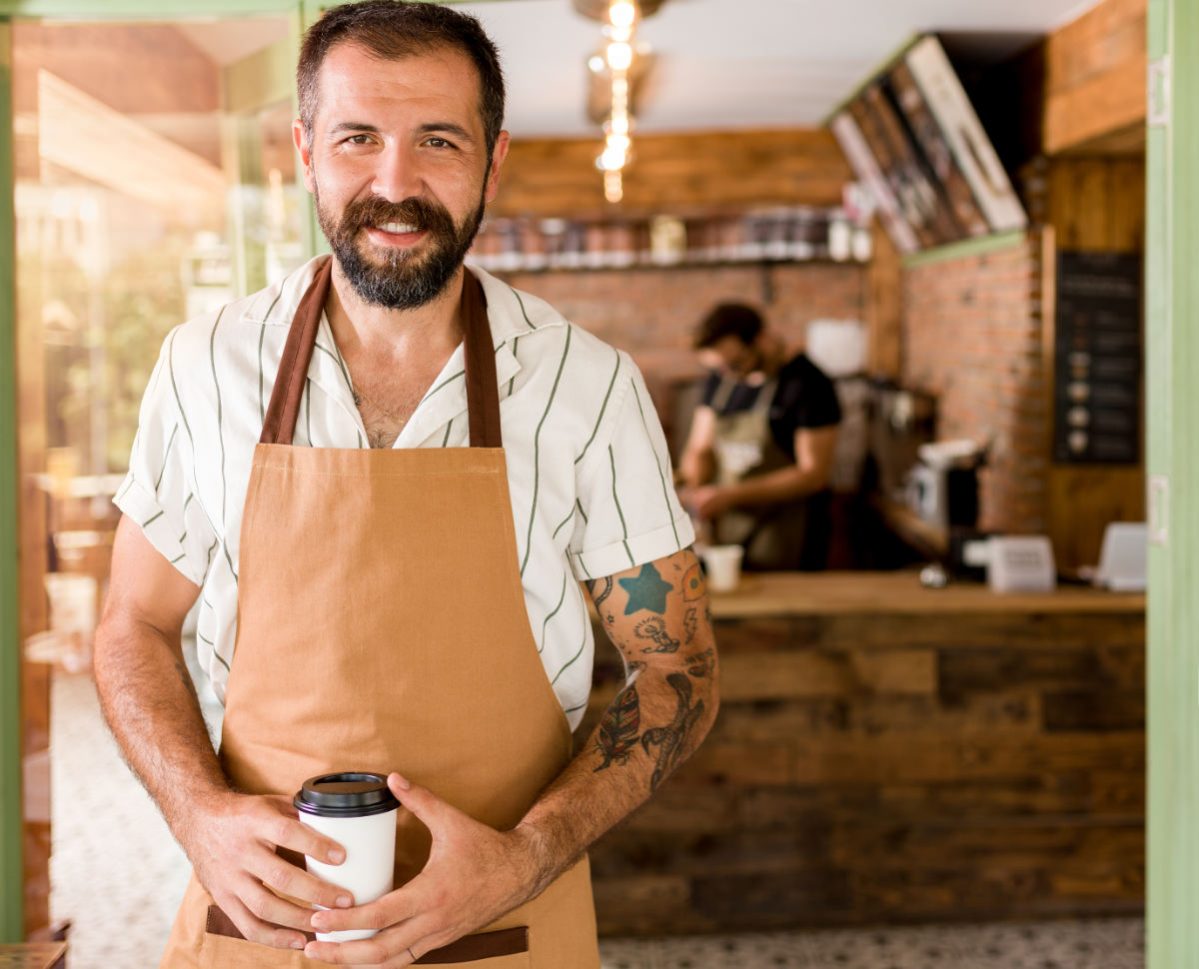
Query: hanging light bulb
(620, 55)
(622, 13)
(613, 187)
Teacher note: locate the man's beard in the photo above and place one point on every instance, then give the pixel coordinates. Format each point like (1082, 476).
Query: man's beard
(402, 280)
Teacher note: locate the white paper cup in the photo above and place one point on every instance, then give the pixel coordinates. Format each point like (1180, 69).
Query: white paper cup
(723, 565)
(358, 811)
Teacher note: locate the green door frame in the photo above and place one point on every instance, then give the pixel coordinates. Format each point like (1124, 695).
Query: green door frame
(11, 830)
(1172, 287)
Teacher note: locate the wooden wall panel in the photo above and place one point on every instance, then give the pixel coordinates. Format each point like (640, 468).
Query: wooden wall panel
(676, 174)
(888, 768)
(1094, 204)
(1095, 75)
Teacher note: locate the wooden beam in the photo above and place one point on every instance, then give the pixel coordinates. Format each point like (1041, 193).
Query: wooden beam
(1095, 75)
(677, 173)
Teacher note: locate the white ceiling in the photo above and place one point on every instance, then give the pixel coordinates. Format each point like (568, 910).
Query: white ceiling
(731, 63)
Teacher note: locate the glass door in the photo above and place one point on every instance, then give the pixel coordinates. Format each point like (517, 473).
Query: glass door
(151, 177)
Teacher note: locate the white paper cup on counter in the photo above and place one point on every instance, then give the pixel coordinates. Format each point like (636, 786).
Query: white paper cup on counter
(358, 811)
(723, 565)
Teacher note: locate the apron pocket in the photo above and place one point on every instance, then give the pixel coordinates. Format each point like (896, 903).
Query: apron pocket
(501, 949)
(225, 948)
(224, 952)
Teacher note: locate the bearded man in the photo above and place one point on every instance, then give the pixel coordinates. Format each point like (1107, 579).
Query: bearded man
(388, 480)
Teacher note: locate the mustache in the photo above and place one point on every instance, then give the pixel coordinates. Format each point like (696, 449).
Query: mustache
(375, 211)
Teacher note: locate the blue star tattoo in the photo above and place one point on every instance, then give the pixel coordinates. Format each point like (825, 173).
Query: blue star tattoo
(646, 591)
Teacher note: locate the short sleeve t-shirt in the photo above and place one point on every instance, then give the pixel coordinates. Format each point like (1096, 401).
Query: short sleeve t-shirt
(806, 398)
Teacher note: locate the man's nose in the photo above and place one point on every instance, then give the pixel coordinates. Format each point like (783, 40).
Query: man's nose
(397, 175)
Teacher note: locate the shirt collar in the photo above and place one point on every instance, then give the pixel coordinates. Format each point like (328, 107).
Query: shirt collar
(511, 316)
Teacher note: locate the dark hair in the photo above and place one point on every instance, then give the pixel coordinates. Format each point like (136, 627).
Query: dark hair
(392, 29)
(729, 319)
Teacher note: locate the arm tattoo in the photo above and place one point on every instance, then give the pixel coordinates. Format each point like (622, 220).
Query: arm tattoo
(618, 729)
(647, 590)
(672, 738)
(701, 665)
(654, 629)
(605, 587)
(691, 623)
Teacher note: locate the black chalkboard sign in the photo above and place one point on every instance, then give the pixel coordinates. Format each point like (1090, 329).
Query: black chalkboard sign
(1098, 359)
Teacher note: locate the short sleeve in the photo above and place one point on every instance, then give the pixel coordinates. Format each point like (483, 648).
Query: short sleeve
(630, 512)
(158, 492)
(816, 405)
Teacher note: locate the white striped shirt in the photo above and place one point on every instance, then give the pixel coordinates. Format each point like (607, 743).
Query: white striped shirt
(588, 467)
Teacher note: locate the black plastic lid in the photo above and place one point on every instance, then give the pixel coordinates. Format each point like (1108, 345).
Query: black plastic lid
(347, 795)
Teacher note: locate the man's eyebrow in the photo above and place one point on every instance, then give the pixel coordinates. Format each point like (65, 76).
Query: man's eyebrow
(447, 127)
(357, 126)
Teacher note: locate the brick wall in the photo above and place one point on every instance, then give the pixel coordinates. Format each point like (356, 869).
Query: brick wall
(972, 335)
(651, 313)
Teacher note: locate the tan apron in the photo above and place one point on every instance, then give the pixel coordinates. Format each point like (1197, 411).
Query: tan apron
(382, 626)
(773, 536)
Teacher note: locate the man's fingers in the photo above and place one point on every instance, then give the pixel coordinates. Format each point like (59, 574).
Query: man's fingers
(422, 803)
(255, 929)
(287, 879)
(287, 832)
(388, 948)
(270, 908)
(391, 909)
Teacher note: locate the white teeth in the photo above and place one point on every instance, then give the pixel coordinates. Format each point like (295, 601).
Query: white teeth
(398, 227)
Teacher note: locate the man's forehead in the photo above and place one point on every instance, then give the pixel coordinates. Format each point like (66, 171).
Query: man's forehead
(351, 73)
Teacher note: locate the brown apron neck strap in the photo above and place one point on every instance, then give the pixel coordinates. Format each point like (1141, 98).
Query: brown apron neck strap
(284, 409)
(482, 391)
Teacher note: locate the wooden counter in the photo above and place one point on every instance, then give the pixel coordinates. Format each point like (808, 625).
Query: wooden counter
(887, 753)
(900, 593)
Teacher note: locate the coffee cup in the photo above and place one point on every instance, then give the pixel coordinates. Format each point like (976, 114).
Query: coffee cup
(358, 811)
(723, 566)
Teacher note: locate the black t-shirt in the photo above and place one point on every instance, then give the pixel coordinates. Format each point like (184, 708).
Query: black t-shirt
(806, 398)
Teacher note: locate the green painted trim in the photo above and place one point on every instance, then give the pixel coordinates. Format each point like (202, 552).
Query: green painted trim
(141, 9)
(967, 247)
(12, 877)
(882, 68)
(1172, 298)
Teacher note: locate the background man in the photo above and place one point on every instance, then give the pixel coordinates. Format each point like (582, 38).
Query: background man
(410, 607)
(761, 445)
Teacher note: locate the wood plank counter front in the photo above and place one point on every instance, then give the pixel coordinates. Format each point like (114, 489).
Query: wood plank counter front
(889, 753)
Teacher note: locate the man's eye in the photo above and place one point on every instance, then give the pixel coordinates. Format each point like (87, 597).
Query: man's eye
(438, 143)
(359, 139)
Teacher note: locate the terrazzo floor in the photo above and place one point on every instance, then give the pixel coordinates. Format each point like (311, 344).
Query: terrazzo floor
(118, 875)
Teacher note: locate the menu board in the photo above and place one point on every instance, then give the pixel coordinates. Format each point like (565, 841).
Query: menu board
(913, 138)
(1098, 357)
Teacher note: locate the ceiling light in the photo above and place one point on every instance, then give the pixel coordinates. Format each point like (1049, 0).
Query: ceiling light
(620, 55)
(595, 63)
(622, 13)
(613, 187)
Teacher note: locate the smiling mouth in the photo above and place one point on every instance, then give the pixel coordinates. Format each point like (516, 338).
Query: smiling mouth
(399, 228)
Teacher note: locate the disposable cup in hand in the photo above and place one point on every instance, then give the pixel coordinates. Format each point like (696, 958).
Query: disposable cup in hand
(723, 565)
(358, 811)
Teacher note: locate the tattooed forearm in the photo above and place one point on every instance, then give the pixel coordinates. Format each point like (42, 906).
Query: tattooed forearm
(671, 740)
(618, 730)
(655, 722)
(664, 712)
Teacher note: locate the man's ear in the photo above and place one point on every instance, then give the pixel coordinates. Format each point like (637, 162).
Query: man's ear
(300, 138)
(498, 154)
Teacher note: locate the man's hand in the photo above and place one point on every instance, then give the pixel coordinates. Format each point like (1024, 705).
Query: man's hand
(233, 850)
(473, 876)
(709, 501)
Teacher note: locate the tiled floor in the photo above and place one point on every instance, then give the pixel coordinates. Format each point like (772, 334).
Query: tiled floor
(118, 876)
